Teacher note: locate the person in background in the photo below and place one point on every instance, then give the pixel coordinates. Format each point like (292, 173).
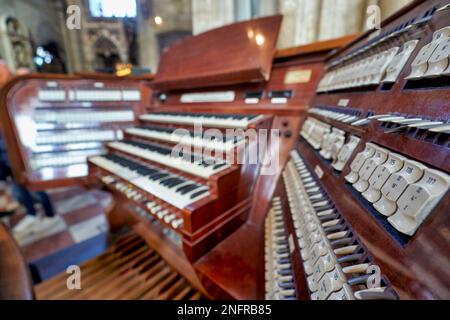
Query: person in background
(7, 204)
(31, 223)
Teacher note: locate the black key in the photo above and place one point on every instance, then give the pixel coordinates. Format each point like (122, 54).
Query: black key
(167, 181)
(341, 242)
(158, 176)
(333, 229)
(281, 251)
(285, 272)
(350, 258)
(172, 181)
(329, 217)
(358, 280)
(188, 188)
(199, 193)
(220, 165)
(284, 261)
(142, 171)
(286, 285)
(176, 183)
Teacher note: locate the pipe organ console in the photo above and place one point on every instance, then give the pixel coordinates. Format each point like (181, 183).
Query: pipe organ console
(355, 207)
(53, 123)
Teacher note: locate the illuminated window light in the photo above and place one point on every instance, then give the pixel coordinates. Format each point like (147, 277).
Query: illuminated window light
(158, 20)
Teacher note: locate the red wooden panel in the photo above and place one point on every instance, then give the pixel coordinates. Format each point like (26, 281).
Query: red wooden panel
(239, 53)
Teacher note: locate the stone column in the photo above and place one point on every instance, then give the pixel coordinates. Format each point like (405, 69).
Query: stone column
(388, 7)
(71, 38)
(308, 17)
(148, 45)
(267, 7)
(300, 22)
(288, 8)
(210, 14)
(341, 17)
(242, 10)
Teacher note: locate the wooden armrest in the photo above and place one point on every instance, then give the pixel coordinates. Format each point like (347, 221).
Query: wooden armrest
(15, 280)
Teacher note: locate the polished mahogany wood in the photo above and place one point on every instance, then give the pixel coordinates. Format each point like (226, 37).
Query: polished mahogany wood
(241, 255)
(306, 60)
(239, 53)
(15, 279)
(315, 47)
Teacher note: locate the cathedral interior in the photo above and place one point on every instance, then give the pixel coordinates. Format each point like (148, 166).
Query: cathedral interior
(346, 103)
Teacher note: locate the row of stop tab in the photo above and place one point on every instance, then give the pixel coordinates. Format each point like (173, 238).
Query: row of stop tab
(331, 142)
(433, 60)
(88, 95)
(381, 67)
(403, 190)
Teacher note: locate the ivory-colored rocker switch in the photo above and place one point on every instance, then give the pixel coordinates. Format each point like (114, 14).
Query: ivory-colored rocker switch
(419, 66)
(381, 174)
(419, 199)
(345, 153)
(358, 162)
(369, 167)
(439, 61)
(397, 183)
(398, 63)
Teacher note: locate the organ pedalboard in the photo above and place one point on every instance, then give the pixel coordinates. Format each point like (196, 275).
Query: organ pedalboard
(361, 209)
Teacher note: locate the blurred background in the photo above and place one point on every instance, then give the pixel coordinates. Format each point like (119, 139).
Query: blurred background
(34, 35)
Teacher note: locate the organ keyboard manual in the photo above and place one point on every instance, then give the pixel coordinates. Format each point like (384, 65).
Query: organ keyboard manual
(319, 172)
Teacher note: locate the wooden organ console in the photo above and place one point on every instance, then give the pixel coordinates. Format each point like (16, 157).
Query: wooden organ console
(356, 207)
(184, 207)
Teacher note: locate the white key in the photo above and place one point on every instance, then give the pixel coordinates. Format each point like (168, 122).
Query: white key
(114, 168)
(441, 129)
(209, 121)
(183, 137)
(177, 163)
(170, 195)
